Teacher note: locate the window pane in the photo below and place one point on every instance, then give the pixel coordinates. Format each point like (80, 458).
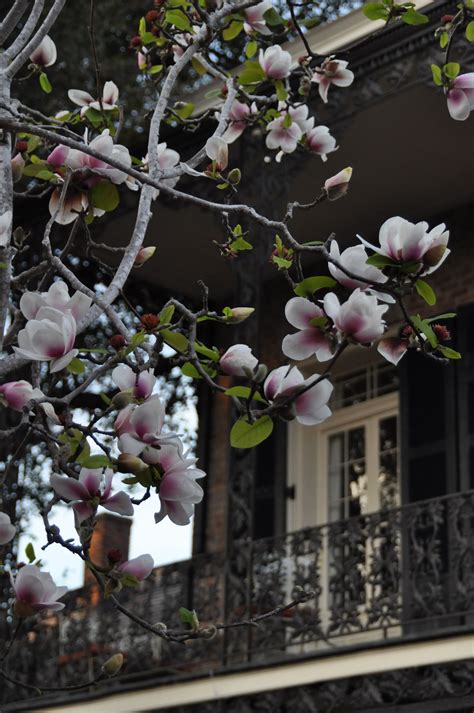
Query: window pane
(388, 463)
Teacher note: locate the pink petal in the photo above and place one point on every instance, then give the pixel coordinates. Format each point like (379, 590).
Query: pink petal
(68, 488)
(392, 349)
(119, 503)
(459, 106)
(299, 312)
(140, 567)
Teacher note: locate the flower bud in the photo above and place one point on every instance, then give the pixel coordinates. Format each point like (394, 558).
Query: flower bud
(261, 373)
(208, 633)
(122, 399)
(113, 665)
(114, 556)
(234, 176)
(127, 463)
(240, 314)
(442, 332)
(152, 15)
(150, 321)
(143, 255)
(21, 146)
(117, 342)
(135, 41)
(338, 185)
(18, 164)
(446, 19)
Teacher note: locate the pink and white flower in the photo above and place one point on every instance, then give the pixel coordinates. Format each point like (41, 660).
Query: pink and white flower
(45, 54)
(332, 71)
(34, 591)
(110, 95)
(93, 488)
(359, 318)
(238, 360)
(311, 406)
(460, 96)
(254, 18)
(17, 394)
(320, 141)
(238, 117)
(141, 384)
(217, 150)
(337, 186)
(18, 164)
(402, 241)
(282, 134)
(139, 567)
(49, 337)
(275, 62)
(299, 115)
(58, 298)
(311, 339)
(7, 530)
(354, 260)
(140, 429)
(392, 349)
(178, 490)
(5, 228)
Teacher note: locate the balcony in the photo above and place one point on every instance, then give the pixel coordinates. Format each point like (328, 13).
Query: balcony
(390, 576)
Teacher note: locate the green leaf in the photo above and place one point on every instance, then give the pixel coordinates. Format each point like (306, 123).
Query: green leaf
(200, 69)
(251, 49)
(381, 261)
(130, 481)
(239, 245)
(449, 353)
(423, 326)
(129, 580)
(470, 31)
(76, 366)
(426, 292)
(45, 84)
(94, 116)
(243, 392)
(166, 314)
(248, 435)
(233, 30)
(190, 370)
(175, 340)
(281, 263)
(311, 22)
(272, 17)
(311, 285)
(375, 11)
(85, 450)
(189, 617)
(412, 17)
(212, 354)
(96, 461)
(252, 73)
(185, 111)
(105, 196)
(446, 315)
(142, 26)
(178, 19)
(437, 75)
(30, 552)
(452, 69)
(443, 40)
(156, 69)
(281, 92)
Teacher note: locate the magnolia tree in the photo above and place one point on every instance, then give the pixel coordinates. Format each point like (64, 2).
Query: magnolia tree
(74, 159)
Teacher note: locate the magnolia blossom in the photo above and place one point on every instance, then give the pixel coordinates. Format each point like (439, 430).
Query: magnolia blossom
(141, 384)
(17, 394)
(18, 164)
(354, 260)
(218, 151)
(178, 491)
(320, 141)
(332, 71)
(7, 530)
(87, 493)
(34, 591)
(110, 95)
(359, 318)
(238, 360)
(283, 134)
(275, 62)
(403, 241)
(460, 96)
(238, 116)
(254, 18)
(87, 172)
(45, 54)
(5, 225)
(392, 349)
(58, 298)
(166, 159)
(49, 337)
(337, 186)
(311, 339)
(139, 428)
(139, 567)
(143, 255)
(311, 406)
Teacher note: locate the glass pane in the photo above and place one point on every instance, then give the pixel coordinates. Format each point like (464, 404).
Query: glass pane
(347, 489)
(388, 463)
(336, 477)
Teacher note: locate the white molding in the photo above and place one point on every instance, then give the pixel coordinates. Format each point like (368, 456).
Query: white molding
(372, 661)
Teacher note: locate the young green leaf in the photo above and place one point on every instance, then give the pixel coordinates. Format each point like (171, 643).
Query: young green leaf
(449, 353)
(375, 11)
(248, 435)
(45, 84)
(470, 31)
(437, 75)
(76, 366)
(96, 461)
(426, 292)
(30, 552)
(105, 196)
(412, 17)
(233, 30)
(251, 49)
(311, 285)
(243, 392)
(175, 340)
(452, 69)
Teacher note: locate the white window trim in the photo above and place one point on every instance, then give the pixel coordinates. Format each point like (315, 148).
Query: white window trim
(307, 457)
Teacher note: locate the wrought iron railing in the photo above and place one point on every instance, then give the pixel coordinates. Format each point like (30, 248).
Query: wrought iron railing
(395, 574)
